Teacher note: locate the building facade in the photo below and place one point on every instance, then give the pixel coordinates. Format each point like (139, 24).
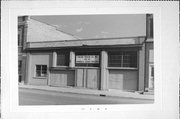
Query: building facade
(124, 63)
(22, 37)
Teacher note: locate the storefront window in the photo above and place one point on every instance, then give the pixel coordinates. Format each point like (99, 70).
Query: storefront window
(63, 59)
(122, 59)
(87, 59)
(41, 70)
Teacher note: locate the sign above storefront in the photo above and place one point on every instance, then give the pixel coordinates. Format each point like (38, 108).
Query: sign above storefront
(87, 58)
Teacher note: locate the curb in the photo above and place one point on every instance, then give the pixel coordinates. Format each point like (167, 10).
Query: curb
(93, 92)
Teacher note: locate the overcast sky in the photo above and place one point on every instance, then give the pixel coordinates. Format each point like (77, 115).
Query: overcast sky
(98, 26)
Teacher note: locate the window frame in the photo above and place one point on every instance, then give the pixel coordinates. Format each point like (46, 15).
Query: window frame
(67, 58)
(42, 75)
(123, 54)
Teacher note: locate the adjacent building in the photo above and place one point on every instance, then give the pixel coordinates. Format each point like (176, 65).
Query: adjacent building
(22, 39)
(48, 56)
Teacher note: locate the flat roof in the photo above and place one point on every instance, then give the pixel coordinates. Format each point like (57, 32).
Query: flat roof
(88, 42)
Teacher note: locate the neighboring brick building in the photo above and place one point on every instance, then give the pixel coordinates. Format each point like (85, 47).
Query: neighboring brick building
(55, 58)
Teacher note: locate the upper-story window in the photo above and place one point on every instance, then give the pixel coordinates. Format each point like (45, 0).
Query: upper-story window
(122, 59)
(62, 59)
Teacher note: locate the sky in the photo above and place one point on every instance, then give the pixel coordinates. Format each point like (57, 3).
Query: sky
(98, 26)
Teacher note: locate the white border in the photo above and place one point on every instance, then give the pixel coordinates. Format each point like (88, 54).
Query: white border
(166, 60)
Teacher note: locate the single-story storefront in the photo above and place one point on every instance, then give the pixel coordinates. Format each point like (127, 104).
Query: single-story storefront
(102, 64)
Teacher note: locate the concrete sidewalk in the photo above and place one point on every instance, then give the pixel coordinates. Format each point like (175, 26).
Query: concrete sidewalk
(112, 93)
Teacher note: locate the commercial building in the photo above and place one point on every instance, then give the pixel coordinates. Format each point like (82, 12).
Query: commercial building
(55, 58)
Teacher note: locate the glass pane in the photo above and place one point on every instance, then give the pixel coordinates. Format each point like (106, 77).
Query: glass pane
(44, 71)
(126, 65)
(129, 59)
(133, 60)
(38, 73)
(38, 67)
(114, 60)
(44, 67)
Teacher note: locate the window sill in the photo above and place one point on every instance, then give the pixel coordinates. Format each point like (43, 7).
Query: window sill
(71, 68)
(39, 77)
(61, 68)
(86, 67)
(123, 68)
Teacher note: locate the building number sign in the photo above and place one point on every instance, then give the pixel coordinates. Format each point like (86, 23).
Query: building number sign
(87, 58)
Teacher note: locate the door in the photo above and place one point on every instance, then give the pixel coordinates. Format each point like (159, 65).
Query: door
(87, 69)
(87, 77)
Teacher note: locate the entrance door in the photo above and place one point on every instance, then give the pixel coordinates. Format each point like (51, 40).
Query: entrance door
(92, 78)
(87, 69)
(87, 78)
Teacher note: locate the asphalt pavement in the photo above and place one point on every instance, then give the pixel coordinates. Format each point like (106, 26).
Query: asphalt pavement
(40, 97)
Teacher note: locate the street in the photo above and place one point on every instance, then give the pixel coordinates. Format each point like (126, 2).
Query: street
(40, 97)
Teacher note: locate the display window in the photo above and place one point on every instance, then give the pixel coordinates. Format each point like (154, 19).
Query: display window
(122, 59)
(62, 59)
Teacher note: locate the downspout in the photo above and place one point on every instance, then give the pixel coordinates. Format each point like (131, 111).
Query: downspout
(24, 48)
(25, 34)
(145, 64)
(143, 44)
(145, 71)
